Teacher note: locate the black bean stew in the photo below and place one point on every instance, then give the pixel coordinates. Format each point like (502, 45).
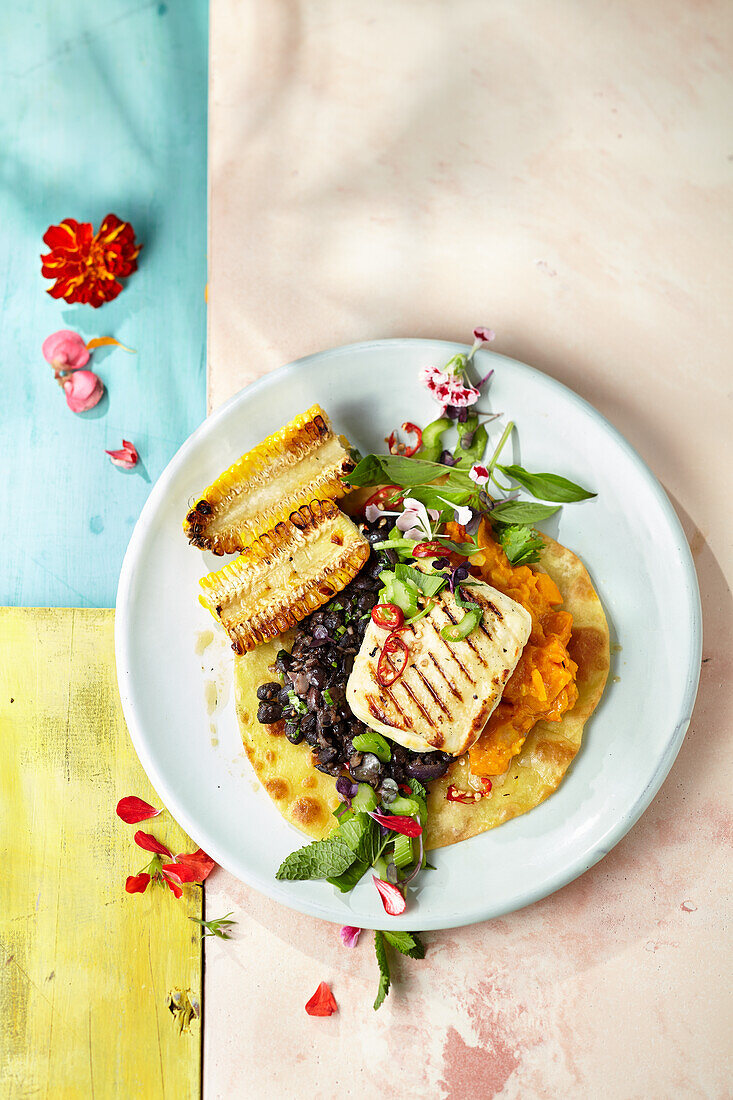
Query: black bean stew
(311, 699)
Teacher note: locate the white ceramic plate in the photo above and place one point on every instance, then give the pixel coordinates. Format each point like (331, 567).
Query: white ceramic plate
(629, 537)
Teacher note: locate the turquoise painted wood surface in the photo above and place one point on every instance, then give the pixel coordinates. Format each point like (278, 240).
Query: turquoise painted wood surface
(104, 109)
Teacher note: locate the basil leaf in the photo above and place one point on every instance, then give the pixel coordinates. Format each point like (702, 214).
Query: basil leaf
(521, 511)
(444, 497)
(348, 880)
(321, 859)
(520, 543)
(383, 963)
(408, 943)
(547, 486)
(399, 470)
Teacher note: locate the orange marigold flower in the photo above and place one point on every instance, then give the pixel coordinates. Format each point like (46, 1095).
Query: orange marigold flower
(87, 266)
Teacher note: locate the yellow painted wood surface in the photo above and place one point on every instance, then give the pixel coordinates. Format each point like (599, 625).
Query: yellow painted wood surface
(85, 967)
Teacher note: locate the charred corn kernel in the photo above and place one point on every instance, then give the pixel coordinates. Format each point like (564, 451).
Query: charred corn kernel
(285, 574)
(303, 461)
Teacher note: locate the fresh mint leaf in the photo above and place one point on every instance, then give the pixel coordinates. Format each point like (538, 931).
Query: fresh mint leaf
(521, 511)
(348, 880)
(361, 833)
(417, 789)
(547, 486)
(383, 963)
(409, 943)
(520, 543)
(321, 859)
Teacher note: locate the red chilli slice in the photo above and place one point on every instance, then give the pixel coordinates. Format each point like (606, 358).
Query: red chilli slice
(388, 615)
(413, 429)
(392, 898)
(132, 810)
(382, 495)
(427, 550)
(387, 671)
(322, 1003)
(397, 823)
(150, 844)
(453, 794)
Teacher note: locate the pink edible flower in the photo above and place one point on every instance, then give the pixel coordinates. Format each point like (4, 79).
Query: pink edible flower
(126, 457)
(83, 389)
(448, 389)
(350, 935)
(483, 335)
(479, 474)
(65, 350)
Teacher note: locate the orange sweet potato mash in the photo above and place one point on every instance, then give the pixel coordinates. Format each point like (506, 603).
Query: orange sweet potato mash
(542, 686)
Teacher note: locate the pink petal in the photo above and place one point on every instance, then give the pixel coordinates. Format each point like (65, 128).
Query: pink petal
(126, 457)
(373, 512)
(83, 390)
(485, 335)
(350, 935)
(392, 899)
(65, 349)
(398, 823)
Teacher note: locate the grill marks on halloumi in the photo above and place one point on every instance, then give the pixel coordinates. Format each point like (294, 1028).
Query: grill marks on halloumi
(448, 690)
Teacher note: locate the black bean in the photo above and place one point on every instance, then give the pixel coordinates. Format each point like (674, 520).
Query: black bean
(269, 713)
(317, 676)
(267, 692)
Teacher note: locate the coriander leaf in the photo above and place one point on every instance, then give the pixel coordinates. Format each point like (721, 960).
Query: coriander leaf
(409, 943)
(348, 880)
(520, 543)
(383, 963)
(321, 859)
(547, 486)
(417, 788)
(521, 511)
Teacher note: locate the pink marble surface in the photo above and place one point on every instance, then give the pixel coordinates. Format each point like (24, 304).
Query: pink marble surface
(561, 172)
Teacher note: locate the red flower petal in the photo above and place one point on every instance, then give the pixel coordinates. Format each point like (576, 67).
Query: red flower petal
(398, 823)
(137, 884)
(132, 810)
(126, 457)
(198, 861)
(150, 844)
(173, 886)
(179, 872)
(392, 899)
(322, 1003)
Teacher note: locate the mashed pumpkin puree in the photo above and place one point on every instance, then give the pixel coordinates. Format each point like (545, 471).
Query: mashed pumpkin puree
(542, 686)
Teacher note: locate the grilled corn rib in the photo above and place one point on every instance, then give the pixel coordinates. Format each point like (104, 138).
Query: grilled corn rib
(285, 574)
(301, 462)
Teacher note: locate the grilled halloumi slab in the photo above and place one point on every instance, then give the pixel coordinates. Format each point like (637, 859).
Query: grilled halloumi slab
(448, 690)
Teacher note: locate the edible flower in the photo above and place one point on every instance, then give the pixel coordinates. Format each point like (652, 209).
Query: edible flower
(86, 266)
(414, 521)
(482, 335)
(350, 935)
(83, 388)
(479, 474)
(65, 350)
(322, 1003)
(392, 899)
(132, 810)
(185, 867)
(126, 457)
(449, 389)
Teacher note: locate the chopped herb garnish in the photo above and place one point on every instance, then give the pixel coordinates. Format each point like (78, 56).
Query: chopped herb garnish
(217, 926)
(327, 697)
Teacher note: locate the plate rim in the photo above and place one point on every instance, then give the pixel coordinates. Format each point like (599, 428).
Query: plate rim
(583, 861)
